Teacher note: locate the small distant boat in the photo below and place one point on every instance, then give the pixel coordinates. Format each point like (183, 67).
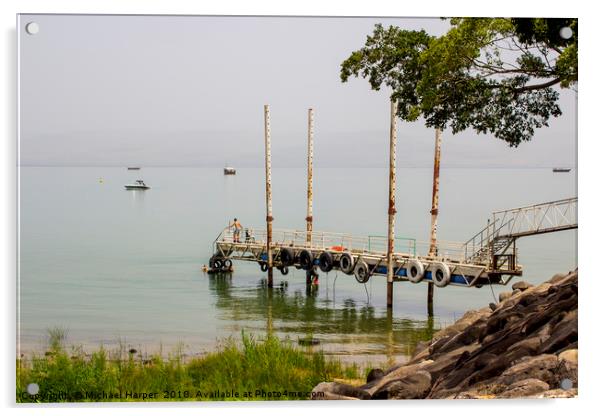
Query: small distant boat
(139, 184)
(133, 167)
(229, 171)
(561, 170)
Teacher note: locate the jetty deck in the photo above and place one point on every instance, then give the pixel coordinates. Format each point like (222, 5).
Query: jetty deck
(364, 256)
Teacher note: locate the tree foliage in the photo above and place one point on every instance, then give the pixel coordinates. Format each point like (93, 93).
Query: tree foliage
(495, 75)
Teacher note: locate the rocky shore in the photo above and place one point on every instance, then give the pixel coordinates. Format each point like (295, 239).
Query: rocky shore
(525, 346)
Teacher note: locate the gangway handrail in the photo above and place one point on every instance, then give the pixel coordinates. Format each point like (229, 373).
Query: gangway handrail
(557, 202)
(533, 217)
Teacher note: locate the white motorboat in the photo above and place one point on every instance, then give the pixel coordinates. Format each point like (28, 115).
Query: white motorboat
(139, 184)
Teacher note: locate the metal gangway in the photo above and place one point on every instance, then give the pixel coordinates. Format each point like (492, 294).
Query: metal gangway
(495, 245)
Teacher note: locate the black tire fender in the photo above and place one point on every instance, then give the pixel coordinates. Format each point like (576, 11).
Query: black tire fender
(287, 256)
(414, 270)
(346, 263)
(215, 262)
(326, 261)
(440, 274)
(306, 259)
(362, 272)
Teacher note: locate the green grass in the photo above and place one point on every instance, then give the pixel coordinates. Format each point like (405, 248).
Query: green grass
(264, 369)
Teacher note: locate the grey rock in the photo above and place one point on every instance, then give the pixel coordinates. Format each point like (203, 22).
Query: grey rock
(413, 386)
(531, 344)
(339, 389)
(522, 285)
(375, 374)
(420, 357)
(421, 346)
(542, 367)
(567, 278)
(557, 393)
(557, 278)
(446, 362)
(563, 334)
(465, 321)
(504, 295)
(524, 388)
(571, 356)
(398, 373)
(331, 396)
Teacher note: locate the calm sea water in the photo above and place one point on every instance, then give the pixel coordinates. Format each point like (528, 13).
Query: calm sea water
(114, 266)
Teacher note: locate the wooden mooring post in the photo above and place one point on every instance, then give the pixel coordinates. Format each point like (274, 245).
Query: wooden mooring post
(268, 193)
(392, 211)
(434, 214)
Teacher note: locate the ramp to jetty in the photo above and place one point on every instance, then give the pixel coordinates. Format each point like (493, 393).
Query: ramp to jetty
(495, 245)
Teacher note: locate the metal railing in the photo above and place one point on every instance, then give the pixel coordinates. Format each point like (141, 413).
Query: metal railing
(537, 219)
(510, 224)
(323, 240)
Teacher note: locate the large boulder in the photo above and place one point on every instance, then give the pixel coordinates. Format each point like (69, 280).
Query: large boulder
(570, 356)
(524, 388)
(522, 285)
(466, 320)
(542, 367)
(397, 374)
(504, 295)
(413, 386)
(338, 391)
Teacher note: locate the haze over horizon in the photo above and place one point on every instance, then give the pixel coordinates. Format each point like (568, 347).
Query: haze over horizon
(190, 90)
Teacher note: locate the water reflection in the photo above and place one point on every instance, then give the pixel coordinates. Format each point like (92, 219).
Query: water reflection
(137, 196)
(347, 328)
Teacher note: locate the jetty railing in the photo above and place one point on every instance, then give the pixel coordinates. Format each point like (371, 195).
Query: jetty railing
(324, 240)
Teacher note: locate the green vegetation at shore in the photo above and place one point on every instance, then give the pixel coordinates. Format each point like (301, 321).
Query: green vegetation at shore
(265, 369)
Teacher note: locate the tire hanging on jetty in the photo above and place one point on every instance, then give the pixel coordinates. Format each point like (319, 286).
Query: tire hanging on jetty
(287, 256)
(283, 270)
(263, 266)
(440, 274)
(227, 264)
(326, 261)
(414, 270)
(346, 263)
(215, 262)
(362, 272)
(306, 259)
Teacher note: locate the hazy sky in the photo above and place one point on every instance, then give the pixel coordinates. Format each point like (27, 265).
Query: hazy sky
(168, 90)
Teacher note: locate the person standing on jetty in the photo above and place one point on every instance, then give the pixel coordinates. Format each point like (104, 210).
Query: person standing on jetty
(237, 229)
